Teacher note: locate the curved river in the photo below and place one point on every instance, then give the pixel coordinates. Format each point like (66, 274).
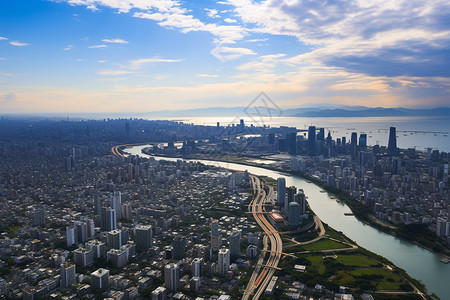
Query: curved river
(421, 264)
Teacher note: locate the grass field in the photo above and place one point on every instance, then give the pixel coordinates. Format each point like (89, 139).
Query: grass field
(316, 263)
(325, 244)
(356, 261)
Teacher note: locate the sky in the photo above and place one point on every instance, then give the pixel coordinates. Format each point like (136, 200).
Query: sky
(107, 56)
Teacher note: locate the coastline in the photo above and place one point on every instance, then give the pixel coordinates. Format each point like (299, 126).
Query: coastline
(351, 204)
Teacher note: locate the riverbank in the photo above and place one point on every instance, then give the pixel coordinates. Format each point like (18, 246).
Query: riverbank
(360, 211)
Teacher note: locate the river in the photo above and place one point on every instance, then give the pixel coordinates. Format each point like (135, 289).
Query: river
(420, 263)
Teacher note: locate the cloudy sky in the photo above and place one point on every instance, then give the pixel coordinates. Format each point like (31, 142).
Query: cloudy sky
(145, 55)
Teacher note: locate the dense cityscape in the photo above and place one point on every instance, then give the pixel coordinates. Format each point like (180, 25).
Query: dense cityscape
(82, 218)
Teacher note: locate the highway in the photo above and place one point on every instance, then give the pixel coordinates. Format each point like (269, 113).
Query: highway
(264, 270)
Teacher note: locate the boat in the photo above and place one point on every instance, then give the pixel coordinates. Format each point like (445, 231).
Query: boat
(323, 191)
(445, 260)
(348, 214)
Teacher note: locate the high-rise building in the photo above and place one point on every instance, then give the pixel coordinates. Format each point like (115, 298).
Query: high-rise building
(291, 191)
(143, 237)
(90, 229)
(300, 198)
(81, 231)
(118, 257)
(67, 272)
(363, 140)
(354, 144)
(100, 279)
(83, 257)
(321, 134)
(111, 219)
(97, 204)
(442, 227)
(172, 276)
(215, 237)
(71, 236)
(294, 215)
(126, 211)
(392, 143)
(312, 140)
(235, 243)
(179, 247)
(160, 293)
(39, 217)
(224, 261)
(114, 239)
(196, 267)
(99, 248)
(291, 139)
(281, 190)
(116, 203)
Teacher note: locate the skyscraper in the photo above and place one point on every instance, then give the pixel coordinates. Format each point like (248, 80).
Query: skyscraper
(281, 190)
(392, 143)
(179, 247)
(224, 261)
(143, 237)
(294, 214)
(235, 243)
(100, 279)
(116, 203)
(71, 236)
(312, 140)
(114, 239)
(363, 140)
(39, 217)
(354, 144)
(215, 237)
(67, 273)
(291, 139)
(291, 191)
(111, 219)
(171, 276)
(196, 267)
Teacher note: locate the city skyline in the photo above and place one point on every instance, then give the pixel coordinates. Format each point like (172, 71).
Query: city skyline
(78, 56)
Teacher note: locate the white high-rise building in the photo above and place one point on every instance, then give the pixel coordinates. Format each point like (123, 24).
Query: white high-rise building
(196, 267)
(100, 279)
(67, 275)
(71, 236)
(116, 203)
(172, 276)
(224, 261)
(235, 243)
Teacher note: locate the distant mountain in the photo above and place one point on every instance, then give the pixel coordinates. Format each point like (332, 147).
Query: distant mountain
(368, 112)
(311, 112)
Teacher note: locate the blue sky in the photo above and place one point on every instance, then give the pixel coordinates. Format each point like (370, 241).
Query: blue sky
(76, 56)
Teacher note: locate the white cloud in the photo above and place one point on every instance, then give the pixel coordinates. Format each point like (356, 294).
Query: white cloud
(208, 75)
(139, 63)
(228, 20)
(212, 13)
(18, 44)
(98, 46)
(3, 38)
(101, 61)
(69, 47)
(7, 74)
(115, 41)
(114, 72)
(8, 97)
(230, 53)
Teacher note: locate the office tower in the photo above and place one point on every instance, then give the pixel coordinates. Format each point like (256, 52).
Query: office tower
(67, 272)
(83, 257)
(321, 134)
(114, 239)
(442, 227)
(224, 261)
(300, 198)
(344, 145)
(215, 237)
(235, 243)
(118, 257)
(160, 293)
(292, 143)
(329, 140)
(71, 236)
(271, 138)
(116, 203)
(172, 276)
(294, 215)
(354, 144)
(445, 175)
(111, 219)
(97, 204)
(100, 279)
(392, 143)
(242, 125)
(194, 284)
(103, 218)
(312, 140)
(252, 251)
(196, 267)
(90, 229)
(281, 190)
(126, 211)
(179, 247)
(363, 140)
(39, 217)
(143, 237)
(291, 191)
(282, 144)
(98, 247)
(81, 231)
